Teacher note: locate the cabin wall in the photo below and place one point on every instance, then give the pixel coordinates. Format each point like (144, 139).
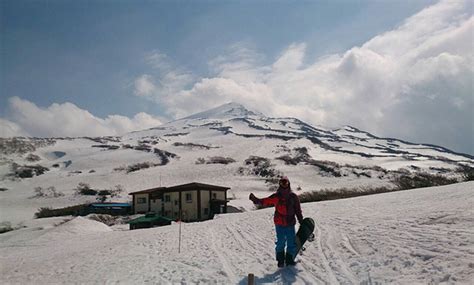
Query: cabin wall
(141, 203)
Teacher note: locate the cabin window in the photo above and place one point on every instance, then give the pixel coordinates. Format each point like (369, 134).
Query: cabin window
(141, 201)
(167, 198)
(189, 197)
(176, 202)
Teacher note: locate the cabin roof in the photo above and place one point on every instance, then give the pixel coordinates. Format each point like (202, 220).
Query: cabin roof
(183, 187)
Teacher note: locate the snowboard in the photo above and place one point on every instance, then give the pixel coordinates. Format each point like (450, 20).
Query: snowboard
(305, 233)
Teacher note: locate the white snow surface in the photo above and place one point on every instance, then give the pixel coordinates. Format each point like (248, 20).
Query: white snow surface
(421, 236)
(230, 131)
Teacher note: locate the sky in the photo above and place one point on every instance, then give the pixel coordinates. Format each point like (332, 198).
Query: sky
(401, 69)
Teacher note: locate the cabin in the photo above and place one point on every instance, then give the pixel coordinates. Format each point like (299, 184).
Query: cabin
(187, 202)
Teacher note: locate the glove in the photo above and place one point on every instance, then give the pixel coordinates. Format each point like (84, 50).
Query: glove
(253, 198)
(300, 220)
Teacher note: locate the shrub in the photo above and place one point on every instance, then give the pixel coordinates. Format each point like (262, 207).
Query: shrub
(259, 166)
(49, 192)
(102, 194)
(47, 212)
(289, 160)
(193, 145)
(22, 145)
(120, 168)
(420, 180)
(28, 171)
(220, 160)
(32, 157)
(467, 173)
(103, 218)
(44, 212)
(85, 189)
(341, 193)
(139, 166)
(5, 227)
(326, 166)
(164, 155)
(2, 189)
(215, 160)
(200, 160)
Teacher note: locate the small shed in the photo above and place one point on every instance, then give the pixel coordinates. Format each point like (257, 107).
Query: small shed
(149, 221)
(186, 202)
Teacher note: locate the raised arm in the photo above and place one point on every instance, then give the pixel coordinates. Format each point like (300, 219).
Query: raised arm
(299, 214)
(271, 200)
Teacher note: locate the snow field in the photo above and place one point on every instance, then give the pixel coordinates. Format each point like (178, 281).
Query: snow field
(418, 236)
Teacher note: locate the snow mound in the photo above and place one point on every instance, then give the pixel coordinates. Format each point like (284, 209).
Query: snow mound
(81, 225)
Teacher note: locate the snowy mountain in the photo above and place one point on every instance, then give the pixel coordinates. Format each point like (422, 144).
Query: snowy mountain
(229, 145)
(422, 236)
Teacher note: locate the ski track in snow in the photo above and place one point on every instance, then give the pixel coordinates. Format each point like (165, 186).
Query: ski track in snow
(421, 236)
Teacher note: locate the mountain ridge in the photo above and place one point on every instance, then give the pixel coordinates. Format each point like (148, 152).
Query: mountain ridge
(243, 150)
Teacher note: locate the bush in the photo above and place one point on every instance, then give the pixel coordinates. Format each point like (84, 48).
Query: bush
(48, 212)
(220, 160)
(341, 193)
(164, 155)
(120, 168)
(32, 157)
(467, 173)
(215, 160)
(200, 160)
(28, 171)
(5, 227)
(2, 189)
(259, 166)
(49, 192)
(139, 166)
(420, 180)
(103, 218)
(102, 194)
(85, 189)
(44, 212)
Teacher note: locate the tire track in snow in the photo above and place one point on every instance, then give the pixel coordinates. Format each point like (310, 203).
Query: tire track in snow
(325, 260)
(225, 264)
(253, 250)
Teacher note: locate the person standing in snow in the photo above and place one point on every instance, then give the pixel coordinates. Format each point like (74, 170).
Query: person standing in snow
(287, 206)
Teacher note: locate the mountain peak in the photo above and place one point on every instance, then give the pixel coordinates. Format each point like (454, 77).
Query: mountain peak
(228, 110)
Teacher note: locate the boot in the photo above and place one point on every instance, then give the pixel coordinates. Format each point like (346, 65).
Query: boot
(290, 260)
(281, 258)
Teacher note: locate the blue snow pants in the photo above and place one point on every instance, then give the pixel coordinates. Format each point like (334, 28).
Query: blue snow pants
(286, 236)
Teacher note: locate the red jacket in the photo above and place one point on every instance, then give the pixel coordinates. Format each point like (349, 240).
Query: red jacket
(287, 205)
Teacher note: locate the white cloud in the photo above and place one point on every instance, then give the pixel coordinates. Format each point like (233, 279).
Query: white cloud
(158, 60)
(168, 81)
(414, 82)
(10, 129)
(144, 85)
(59, 120)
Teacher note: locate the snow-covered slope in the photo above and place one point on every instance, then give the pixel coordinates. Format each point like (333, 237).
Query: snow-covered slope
(228, 145)
(423, 236)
